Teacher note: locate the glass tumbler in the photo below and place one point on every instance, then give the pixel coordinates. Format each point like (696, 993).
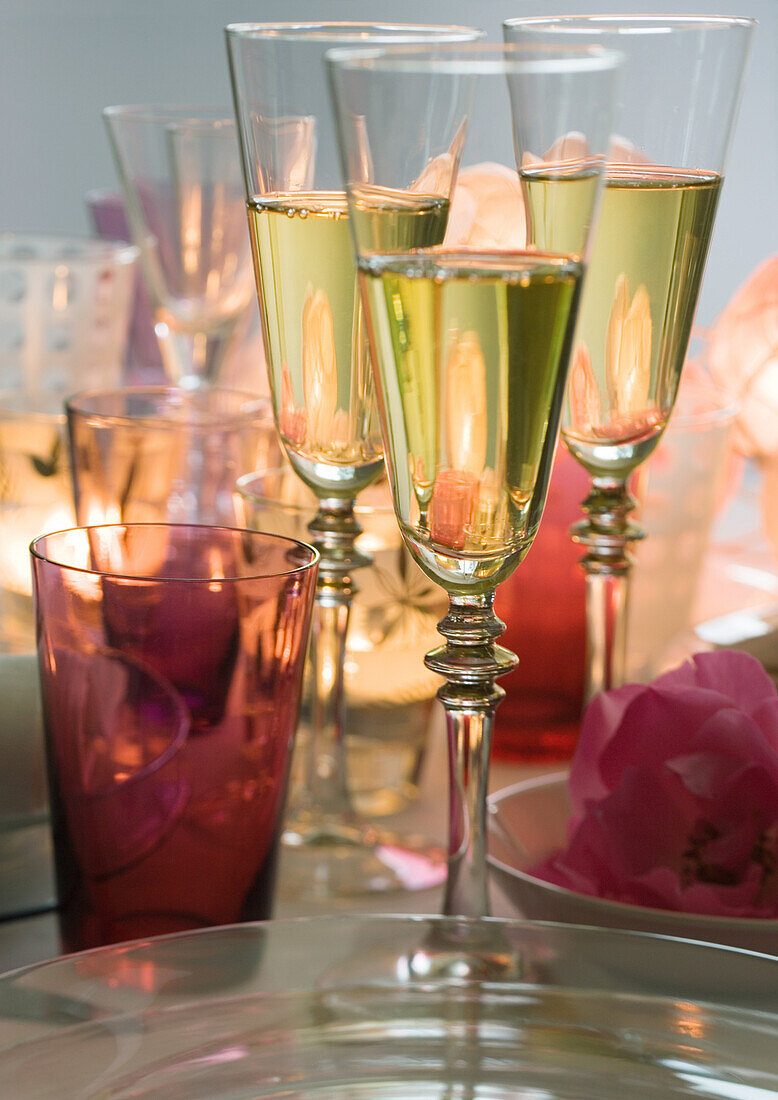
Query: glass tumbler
(160, 453)
(65, 307)
(171, 661)
(389, 695)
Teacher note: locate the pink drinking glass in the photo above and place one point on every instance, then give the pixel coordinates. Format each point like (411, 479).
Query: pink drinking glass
(171, 660)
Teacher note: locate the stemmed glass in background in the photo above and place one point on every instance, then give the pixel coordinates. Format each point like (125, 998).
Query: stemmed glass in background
(470, 346)
(322, 389)
(179, 169)
(675, 112)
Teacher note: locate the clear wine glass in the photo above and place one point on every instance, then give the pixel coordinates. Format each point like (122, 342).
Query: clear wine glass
(179, 169)
(470, 344)
(674, 117)
(322, 391)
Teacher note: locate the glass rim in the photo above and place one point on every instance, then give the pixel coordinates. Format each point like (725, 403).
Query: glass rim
(477, 58)
(191, 114)
(90, 249)
(207, 530)
(337, 30)
(295, 508)
(628, 23)
(256, 407)
(538, 929)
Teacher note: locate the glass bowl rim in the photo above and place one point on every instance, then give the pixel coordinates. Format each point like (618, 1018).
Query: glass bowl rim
(194, 114)
(627, 24)
(37, 552)
(339, 30)
(295, 508)
(477, 58)
(91, 250)
(281, 925)
(257, 408)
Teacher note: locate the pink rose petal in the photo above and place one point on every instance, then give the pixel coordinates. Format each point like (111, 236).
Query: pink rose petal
(674, 793)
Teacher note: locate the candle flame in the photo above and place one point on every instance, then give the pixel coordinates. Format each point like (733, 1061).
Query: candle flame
(320, 380)
(628, 350)
(465, 404)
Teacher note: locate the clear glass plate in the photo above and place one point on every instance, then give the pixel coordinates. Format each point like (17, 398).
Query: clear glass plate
(327, 1008)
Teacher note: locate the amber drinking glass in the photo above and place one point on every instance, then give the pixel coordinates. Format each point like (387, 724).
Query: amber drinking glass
(164, 454)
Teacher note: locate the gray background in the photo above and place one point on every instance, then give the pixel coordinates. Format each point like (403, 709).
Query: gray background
(61, 61)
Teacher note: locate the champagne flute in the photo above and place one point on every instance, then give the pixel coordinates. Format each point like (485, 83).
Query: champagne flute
(674, 118)
(180, 175)
(470, 346)
(322, 391)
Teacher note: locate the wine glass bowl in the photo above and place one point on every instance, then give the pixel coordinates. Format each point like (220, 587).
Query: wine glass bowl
(469, 499)
(662, 188)
(316, 343)
(470, 350)
(180, 174)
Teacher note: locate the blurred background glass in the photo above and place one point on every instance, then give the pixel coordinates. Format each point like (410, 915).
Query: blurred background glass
(144, 455)
(35, 498)
(64, 311)
(179, 170)
(680, 491)
(389, 694)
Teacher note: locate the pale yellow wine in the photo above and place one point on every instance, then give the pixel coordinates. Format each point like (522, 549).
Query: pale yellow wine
(313, 325)
(471, 352)
(637, 304)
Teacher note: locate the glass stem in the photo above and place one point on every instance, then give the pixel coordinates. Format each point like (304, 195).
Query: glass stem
(606, 532)
(470, 662)
(324, 801)
(194, 359)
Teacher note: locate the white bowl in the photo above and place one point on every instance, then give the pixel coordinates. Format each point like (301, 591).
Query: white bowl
(528, 821)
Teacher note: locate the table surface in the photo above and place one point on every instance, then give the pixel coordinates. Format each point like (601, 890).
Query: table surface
(34, 938)
(738, 602)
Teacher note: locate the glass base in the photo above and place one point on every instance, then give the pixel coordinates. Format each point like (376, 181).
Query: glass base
(326, 861)
(449, 950)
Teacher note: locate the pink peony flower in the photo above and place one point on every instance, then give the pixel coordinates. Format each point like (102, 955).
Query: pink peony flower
(674, 793)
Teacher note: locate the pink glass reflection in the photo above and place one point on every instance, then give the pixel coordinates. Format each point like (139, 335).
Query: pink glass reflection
(171, 660)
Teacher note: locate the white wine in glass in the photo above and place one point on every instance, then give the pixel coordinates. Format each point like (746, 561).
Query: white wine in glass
(470, 351)
(318, 353)
(674, 117)
(637, 307)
